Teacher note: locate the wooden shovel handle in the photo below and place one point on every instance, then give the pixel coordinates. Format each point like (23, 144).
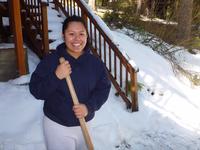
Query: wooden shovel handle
(76, 101)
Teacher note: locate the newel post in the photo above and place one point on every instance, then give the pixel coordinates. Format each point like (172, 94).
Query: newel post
(45, 38)
(134, 94)
(17, 30)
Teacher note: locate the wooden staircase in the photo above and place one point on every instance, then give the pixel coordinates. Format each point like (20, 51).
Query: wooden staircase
(35, 27)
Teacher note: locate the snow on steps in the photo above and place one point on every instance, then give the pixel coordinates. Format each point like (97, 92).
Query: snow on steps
(55, 26)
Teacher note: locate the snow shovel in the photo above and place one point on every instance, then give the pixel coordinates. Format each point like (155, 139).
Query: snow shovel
(81, 120)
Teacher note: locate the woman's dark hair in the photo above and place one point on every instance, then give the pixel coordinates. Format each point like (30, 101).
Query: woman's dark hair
(75, 18)
(72, 19)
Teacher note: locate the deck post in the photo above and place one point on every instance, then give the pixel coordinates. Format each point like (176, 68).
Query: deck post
(17, 31)
(45, 37)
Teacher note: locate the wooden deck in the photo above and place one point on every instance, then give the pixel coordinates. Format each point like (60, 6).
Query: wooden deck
(8, 64)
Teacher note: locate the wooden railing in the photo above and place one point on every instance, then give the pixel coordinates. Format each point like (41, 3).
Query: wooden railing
(34, 14)
(122, 74)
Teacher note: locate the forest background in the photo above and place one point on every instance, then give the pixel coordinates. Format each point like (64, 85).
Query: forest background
(167, 26)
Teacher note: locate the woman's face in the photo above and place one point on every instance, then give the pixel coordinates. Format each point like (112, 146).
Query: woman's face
(75, 37)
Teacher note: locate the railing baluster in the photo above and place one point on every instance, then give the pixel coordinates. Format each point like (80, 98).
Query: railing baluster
(120, 70)
(78, 10)
(110, 59)
(100, 53)
(39, 17)
(115, 67)
(71, 8)
(28, 6)
(105, 49)
(126, 83)
(90, 32)
(68, 6)
(35, 8)
(31, 6)
(95, 38)
(74, 6)
(64, 4)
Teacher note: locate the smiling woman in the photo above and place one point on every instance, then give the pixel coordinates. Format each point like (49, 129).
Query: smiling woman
(88, 73)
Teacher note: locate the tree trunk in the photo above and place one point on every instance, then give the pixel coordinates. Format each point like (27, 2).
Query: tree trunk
(91, 3)
(184, 20)
(139, 7)
(161, 8)
(104, 3)
(149, 8)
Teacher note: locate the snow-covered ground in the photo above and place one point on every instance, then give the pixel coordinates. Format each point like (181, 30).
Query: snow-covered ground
(167, 120)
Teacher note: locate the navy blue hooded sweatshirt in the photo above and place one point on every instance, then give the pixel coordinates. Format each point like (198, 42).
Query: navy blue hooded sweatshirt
(90, 81)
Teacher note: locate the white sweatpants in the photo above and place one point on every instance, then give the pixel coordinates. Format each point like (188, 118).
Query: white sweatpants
(59, 137)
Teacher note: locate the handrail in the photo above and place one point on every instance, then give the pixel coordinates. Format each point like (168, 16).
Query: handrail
(122, 74)
(36, 11)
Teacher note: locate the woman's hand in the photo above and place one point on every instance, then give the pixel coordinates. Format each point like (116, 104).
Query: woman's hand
(63, 70)
(80, 110)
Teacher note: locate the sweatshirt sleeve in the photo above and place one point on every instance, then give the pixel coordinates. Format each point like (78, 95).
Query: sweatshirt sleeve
(43, 80)
(100, 93)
